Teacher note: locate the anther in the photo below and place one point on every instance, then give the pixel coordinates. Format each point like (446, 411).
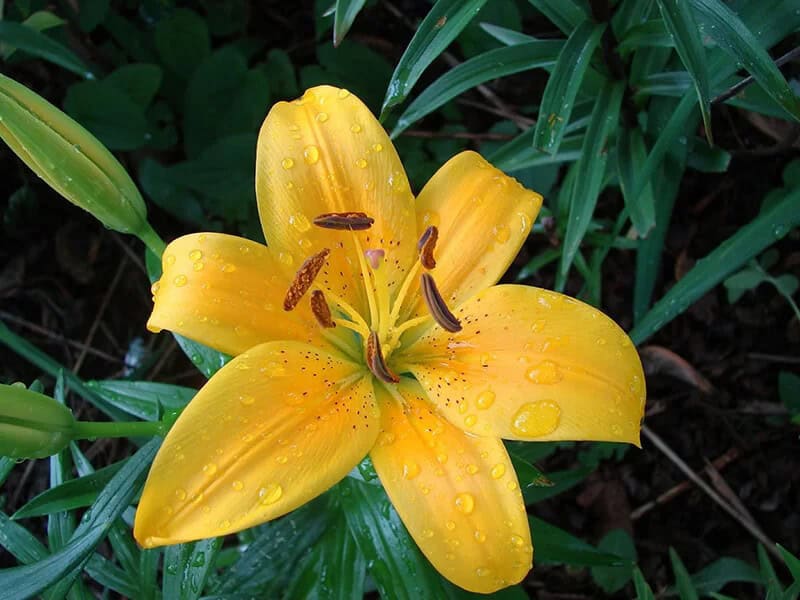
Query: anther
(304, 278)
(353, 221)
(376, 362)
(436, 305)
(321, 310)
(426, 246)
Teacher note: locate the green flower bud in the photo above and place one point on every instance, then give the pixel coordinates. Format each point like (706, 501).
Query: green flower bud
(70, 159)
(32, 425)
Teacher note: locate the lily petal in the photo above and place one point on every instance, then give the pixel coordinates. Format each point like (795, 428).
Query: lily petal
(274, 428)
(530, 364)
(483, 216)
(326, 153)
(457, 494)
(226, 292)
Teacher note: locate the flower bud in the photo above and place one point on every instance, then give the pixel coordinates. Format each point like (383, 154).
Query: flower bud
(70, 159)
(32, 425)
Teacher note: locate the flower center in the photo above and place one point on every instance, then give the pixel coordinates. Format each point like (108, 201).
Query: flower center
(385, 330)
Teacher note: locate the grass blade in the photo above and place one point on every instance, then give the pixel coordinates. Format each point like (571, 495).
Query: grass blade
(554, 545)
(682, 27)
(590, 170)
(564, 14)
(345, 14)
(766, 229)
(499, 62)
(40, 45)
(650, 34)
(145, 400)
(733, 36)
(20, 542)
(187, 566)
(631, 154)
(440, 27)
(683, 581)
(562, 86)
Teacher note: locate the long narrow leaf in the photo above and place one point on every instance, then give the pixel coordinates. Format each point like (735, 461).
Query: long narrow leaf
(631, 155)
(590, 170)
(554, 545)
(143, 399)
(343, 17)
(187, 567)
(732, 35)
(443, 23)
(484, 67)
(42, 46)
(683, 29)
(562, 87)
(766, 229)
(564, 14)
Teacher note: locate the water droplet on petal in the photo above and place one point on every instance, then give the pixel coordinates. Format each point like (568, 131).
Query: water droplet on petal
(195, 255)
(237, 485)
(501, 233)
(180, 494)
(479, 536)
(169, 260)
(427, 533)
(472, 468)
(361, 163)
(287, 163)
(451, 525)
(536, 419)
(386, 438)
(247, 399)
(485, 399)
(311, 154)
(180, 281)
(270, 494)
(410, 469)
(517, 541)
(355, 128)
(210, 469)
(377, 147)
(322, 117)
(300, 222)
(441, 457)
(470, 420)
(546, 373)
(483, 571)
(228, 268)
(198, 266)
(465, 503)
(343, 94)
(498, 471)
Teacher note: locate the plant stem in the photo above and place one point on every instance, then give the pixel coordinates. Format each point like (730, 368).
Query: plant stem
(114, 429)
(152, 240)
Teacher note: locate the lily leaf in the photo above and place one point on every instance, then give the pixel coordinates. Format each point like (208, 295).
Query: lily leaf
(346, 13)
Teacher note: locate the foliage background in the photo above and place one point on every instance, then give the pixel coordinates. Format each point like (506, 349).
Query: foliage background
(178, 91)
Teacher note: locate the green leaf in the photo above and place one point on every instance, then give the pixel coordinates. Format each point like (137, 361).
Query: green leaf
(682, 27)
(64, 565)
(613, 579)
(767, 228)
(60, 525)
(643, 591)
(19, 542)
(567, 15)
(554, 545)
(768, 575)
(139, 82)
(395, 563)
(145, 400)
(108, 113)
(683, 581)
(563, 84)
(631, 154)
(509, 37)
(182, 41)
(40, 45)
(187, 567)
(75, 493)
(789, 391)
(440, 27)
(706, 159)
(555, 483)
(590, 170)
(713, 577)
(723, 25)
(791, 561)
(92, 13)
(787, 284)
(650, 34)
(271, 556)
(346, 12)
(743, 281)
(109, 575)
(477, 70)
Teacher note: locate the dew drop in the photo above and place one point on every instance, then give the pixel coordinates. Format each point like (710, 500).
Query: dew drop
(155, 287)
(377, 147)
(546, 373)
(498, 471)
(427, 533)
(300, 222)
(180, 494)
(282, 459)
(386, 438)
(237, 485)
(180, 280)
(343, 93)
(311, 154)
(169, 260)
(195, 255)
(470, 420)
(410, 469)
(210, 469)
(247, 399)
(270, 494)
(485, 399)
(501, 233)
(472, 468)
(355, 128)
(228, 268)
(517, 541)
(483, 571)
(198, 266)
(286, 258)
(451, 525)
(536, 419)
(511, 485)
(430, 218)
(322, 117)
(287, 163)
(538, 325)
(479, 536)
(361, 163)
(465, 503)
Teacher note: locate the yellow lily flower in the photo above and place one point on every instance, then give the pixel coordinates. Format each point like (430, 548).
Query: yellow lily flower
(368, 326)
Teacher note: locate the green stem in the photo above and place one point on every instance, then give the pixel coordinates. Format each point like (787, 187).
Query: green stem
(152, 240)
(113, 429)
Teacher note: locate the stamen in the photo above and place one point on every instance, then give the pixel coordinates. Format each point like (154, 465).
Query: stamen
(321, 310)
(426, 245)
(354, 221)
(304, 278)
(436, 305)
(376, 362)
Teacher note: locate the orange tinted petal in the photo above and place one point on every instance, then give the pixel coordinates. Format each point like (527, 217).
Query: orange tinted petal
(457, 494)
(533, 364)
(326, 153)
(226, 292)
(483, 216)
(274, 428)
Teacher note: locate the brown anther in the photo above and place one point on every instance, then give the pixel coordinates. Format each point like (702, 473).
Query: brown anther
(436, 305)
(321, 310)
(376, 362)
(304, 278)
(426, 246)
(354, 221)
